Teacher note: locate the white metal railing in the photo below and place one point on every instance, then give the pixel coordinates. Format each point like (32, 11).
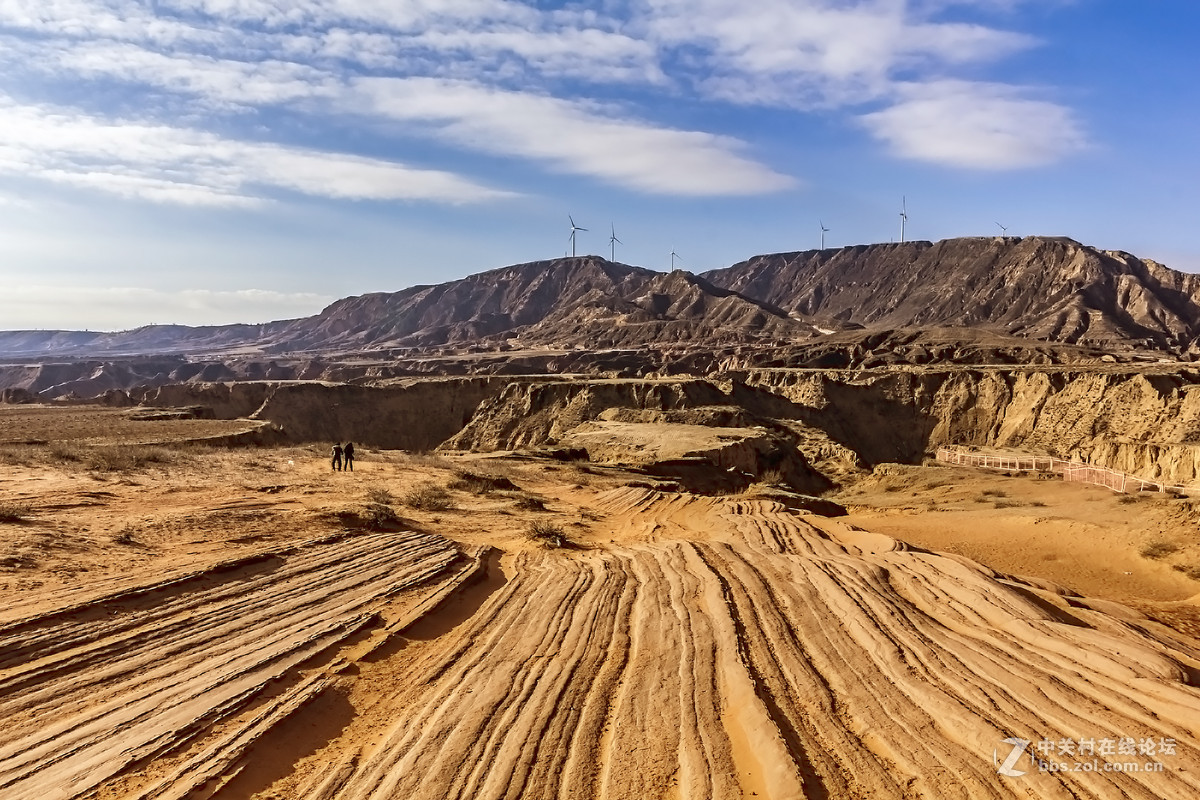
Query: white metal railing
(1072, 471)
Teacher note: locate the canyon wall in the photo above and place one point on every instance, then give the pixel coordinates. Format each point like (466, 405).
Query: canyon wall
(840, 420)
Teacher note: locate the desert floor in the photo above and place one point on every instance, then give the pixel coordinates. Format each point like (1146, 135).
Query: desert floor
(194, 622)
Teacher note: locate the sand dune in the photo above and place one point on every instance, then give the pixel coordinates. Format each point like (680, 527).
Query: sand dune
(692, 647)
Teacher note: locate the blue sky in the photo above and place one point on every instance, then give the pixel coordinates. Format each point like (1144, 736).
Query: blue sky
(214, 161)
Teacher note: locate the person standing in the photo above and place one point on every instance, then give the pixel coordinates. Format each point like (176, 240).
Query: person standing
(348, 456)
(337, 457)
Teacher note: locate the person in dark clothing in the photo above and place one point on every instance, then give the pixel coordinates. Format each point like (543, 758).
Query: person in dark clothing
(348, 455)
(337, 457)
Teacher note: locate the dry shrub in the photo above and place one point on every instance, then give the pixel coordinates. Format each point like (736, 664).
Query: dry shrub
(465, 480)
(771, 477)
(381, 517)
(127, 536)
(380, 496)
(427, 497)
(1004, 504)
(550, 535)
(530, 503)
(1191, 570)
(115, 457)
(19, 455)
(14, 512)
(1126, 499)
(1158, 549)
(994, 493)
(428, 460)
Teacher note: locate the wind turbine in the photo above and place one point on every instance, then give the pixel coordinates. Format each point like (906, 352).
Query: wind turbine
(613, 241)
(574, 228)
(903, 216)
(824, 231)
(674, 256)
(1003, 229)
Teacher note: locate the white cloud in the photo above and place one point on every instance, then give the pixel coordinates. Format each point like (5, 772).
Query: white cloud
(503, 77)
(185, 166)
(977, 126)
(573, 137)
(116, 308)
(804, 53)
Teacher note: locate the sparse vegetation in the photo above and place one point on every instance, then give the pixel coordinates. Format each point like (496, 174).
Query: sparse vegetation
(127, 536)
(380, 496)
(14, 512)
(771, 477)
(113, 458)
(428, 460)
(427, 497)
(465, 480)
(1191, 570)
(994, 493)
(550, 534)
(528, 502)
(1158, 549)
(1126, 499)
(381, 517)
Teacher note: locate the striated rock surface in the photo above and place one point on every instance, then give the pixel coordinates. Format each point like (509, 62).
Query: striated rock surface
(709, 647)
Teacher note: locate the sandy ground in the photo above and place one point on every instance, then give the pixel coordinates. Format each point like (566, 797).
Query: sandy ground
(227, 624)
(95, 425)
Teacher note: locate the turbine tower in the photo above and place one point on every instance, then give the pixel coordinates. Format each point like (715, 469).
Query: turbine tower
(674, 256)
(574, 228)
(613, 241)
(903, 216)
(1003, 229)
(824, 231)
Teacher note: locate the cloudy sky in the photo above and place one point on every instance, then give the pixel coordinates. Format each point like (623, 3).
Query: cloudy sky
(213, 161)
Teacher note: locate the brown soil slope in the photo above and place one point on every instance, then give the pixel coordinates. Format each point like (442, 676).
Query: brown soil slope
(1036, 287)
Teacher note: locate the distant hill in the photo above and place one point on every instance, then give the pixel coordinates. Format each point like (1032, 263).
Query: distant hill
(565, 302)
(1041, 288)
(1047, 288)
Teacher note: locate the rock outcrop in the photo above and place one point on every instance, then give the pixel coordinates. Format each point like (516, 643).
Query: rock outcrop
(1038, 287)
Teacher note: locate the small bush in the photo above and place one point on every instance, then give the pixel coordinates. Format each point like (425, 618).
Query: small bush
(380, 496)
(1004, 504)
(994, 493)
(113, 458)
(427, 497)
(771, 477)
(1191, 570)
(1158, 549)
(13, 512)
(1126, 499)
(465, 480)
(529, 503)
(549, 534)
(127, 536)
(381, 517)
